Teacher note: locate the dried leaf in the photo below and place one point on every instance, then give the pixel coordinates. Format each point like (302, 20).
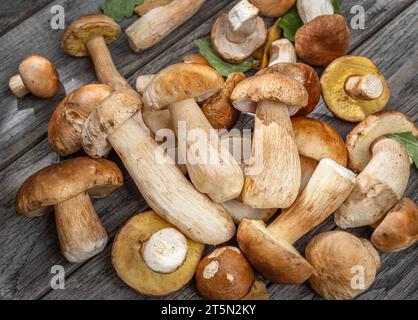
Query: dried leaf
(263, 54)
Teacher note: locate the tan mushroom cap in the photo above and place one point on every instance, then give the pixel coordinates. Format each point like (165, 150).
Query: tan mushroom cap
(67, 121)
(86, 27)
(361, 138)
(341, 103)
(318, 140)
(273, 8)
(274, 258)
(225, 274)
(305, 75)
(336, 257)
(65, 180)
(399, 229)
(182, 81)
(131, 267)
(39, 76)
(322, 40)
(236, 52)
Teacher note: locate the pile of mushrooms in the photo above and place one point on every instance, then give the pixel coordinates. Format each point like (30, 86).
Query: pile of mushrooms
(293, 165)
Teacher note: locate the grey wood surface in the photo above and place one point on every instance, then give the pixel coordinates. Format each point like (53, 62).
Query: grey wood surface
(29, 248)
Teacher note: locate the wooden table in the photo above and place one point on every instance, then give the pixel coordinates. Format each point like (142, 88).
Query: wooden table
(29, 248)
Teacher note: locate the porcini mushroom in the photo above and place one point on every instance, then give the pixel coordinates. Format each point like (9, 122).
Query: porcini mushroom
(159, 22)
(152, 257)
(353, 88)
(38, 76)
(67, 186)
(225, 274)
(344, 266)
(212, 169)
(282, 51)
(195, 58)
(384, 165)
(324, 36)
(273, 8)
(67, 121)
(270, 249)
(399, 229)
(236, 35)
(274, 174)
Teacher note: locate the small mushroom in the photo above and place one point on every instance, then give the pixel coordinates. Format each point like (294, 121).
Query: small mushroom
(282, 51)
(399, 229)
(344, 266)
(225, 274)
(195, 58)
(324, 36)
(38, 76)
(273, 8)
(270, 249)
(152, 257)
(236, 35)
(67, 186)
(384, 165)
(67, 121)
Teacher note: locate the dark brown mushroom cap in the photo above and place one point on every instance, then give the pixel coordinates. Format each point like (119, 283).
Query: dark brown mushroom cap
(274, 258)
(39, 76)
(399, 229)
(322, 40)
(86, 27)
(273, 8)
(336, 257)
(65, 180)
(225, 274)
(67, 121)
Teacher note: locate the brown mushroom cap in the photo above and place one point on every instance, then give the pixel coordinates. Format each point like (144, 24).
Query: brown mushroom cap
(274, 258)
(86, 27)
(318, 140)
(361, 138)
(39, 76)
(334, 257)
(65, 180)
(182, 81)
(67, 121)
(322, 40)
(196, 58)
(131, 267)
(341, 103)
(225, 274)
(399, 229)
(273, 8)
(305, 75)
(236, 52)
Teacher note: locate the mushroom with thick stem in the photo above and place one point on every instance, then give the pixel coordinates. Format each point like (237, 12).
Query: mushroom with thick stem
(344, 266)
(399, 229)
(282, 51)
(159, 22)
(270, 249)
(38, 76)
(152, 257)
(225, 274)
(273, 8)
(353, 88)
(211, 167)
(67, 186)
(236, 35)
(384, 165)
(324, 36)
(67, 121)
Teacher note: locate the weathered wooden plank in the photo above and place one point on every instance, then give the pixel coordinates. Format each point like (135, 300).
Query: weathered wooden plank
(83, 283)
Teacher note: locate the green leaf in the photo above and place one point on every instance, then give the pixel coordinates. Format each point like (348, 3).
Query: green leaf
(119, 9)
(336, 5)
(290, 23)
(409, 142)
(223, 67)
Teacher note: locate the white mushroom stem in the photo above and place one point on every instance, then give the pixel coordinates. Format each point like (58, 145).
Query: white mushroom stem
(329, 186)
(239, 211)
(212, 168)
(17, 86)
(368, 87)
(159, 22)
(378, 187)
(282, 51)
(166, 189)
(80, 231)
(242, 21)
(165, 251)
(311, 9)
